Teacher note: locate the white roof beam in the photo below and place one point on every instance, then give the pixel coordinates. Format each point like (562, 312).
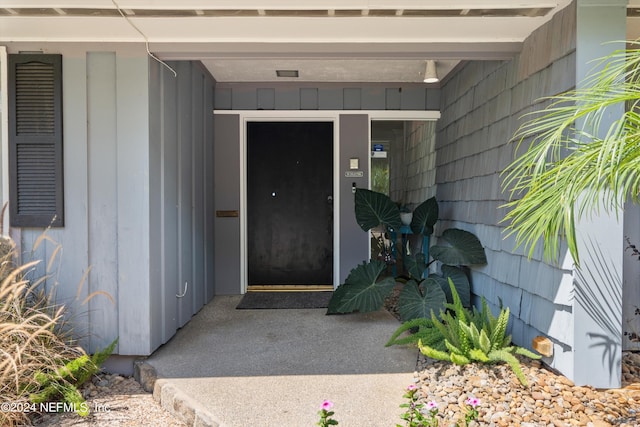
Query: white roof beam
(289, 4)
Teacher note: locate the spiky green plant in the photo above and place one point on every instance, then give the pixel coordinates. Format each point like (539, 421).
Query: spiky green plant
(462, 336)
(420, 329)
(65, 381)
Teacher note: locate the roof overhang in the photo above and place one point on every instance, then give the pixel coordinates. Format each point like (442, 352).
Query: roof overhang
(335, 40)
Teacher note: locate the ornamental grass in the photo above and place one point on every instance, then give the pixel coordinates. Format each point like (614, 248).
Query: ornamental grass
(34, 338)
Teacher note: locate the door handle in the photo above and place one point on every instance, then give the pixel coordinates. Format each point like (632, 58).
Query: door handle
(330, 214)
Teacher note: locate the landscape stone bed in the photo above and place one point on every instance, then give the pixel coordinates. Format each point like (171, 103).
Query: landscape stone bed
(551, 399)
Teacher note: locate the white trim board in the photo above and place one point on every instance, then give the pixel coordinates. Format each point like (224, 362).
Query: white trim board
(404, 115)
(4, 136)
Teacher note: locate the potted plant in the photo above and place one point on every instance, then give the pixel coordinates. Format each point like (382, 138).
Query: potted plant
(406, 215)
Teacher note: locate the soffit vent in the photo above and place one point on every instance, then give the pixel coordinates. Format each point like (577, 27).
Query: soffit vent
(287, 73)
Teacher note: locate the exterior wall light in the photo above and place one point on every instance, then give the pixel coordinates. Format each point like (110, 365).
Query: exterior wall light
(430, 74)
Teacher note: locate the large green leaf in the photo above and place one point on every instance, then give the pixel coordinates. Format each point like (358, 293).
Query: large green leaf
(460, 281)
(415, 265)
(415, 302)
(337, 300)
(361, 290)
(461, 248)
(425, 217)
(373, 208)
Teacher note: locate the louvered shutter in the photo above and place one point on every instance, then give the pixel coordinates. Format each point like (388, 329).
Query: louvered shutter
(35, 140)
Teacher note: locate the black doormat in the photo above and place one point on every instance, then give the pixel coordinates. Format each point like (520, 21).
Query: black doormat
(277, 300)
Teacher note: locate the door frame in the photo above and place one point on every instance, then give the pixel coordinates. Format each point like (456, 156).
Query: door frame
(400, 116)
(327, 170)
(286, 116)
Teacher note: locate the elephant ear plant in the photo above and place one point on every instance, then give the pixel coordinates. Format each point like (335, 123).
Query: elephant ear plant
(365, 288)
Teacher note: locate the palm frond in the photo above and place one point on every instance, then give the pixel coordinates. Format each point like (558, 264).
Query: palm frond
(570, 164)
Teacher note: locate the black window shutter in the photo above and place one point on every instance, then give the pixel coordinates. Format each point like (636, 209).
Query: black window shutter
(35, 141)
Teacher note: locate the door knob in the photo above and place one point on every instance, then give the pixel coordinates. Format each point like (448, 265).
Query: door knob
(330, 200)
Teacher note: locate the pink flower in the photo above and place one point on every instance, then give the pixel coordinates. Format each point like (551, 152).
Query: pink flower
(473, 401)
(327, 405)
(432, 405)
(411, 387)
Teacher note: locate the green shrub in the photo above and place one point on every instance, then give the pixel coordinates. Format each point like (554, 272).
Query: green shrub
(462, 336)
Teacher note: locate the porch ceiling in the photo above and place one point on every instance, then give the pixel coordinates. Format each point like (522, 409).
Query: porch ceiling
(331, 40)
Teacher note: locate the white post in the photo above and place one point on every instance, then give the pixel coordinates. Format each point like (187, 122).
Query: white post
(4, 135)
(597, 303)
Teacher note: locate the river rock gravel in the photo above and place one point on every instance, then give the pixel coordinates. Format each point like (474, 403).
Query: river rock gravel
(116, 401)
(549, 400)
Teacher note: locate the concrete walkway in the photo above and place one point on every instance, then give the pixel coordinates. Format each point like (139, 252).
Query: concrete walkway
(274, 368)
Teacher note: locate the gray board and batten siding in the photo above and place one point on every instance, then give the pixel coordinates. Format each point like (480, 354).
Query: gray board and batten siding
(104, 245)
(181, 194)
(138, 156)
(227, 197)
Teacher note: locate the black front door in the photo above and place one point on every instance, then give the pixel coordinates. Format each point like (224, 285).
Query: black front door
(290, 203)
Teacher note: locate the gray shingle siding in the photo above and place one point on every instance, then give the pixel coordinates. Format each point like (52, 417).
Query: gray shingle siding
(481, 109)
